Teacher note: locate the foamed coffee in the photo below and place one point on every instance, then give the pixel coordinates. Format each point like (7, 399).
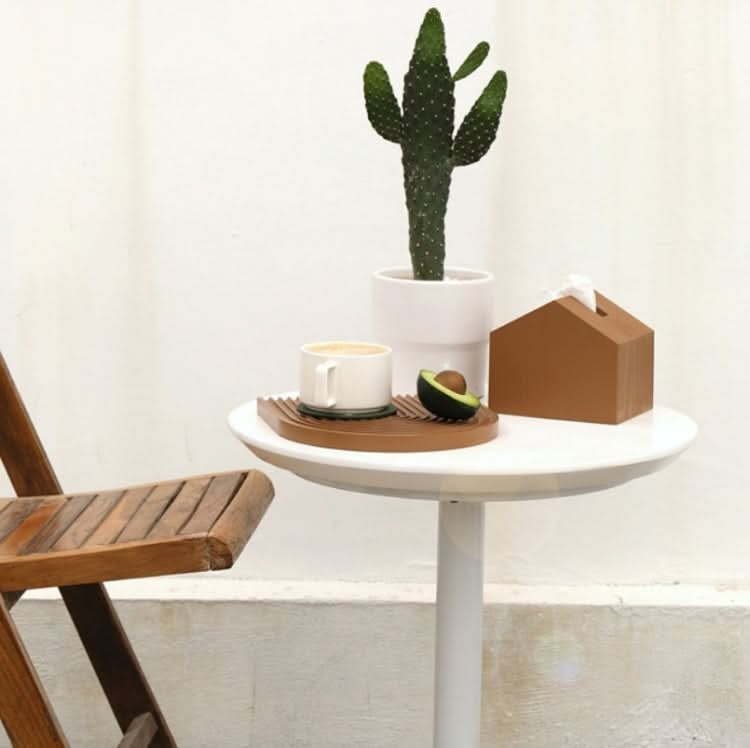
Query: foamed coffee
(346, 349)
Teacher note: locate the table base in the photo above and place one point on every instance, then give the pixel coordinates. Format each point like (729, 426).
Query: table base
(458, 639)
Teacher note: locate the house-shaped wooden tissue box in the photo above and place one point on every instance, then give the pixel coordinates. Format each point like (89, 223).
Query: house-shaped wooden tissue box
(564, 360)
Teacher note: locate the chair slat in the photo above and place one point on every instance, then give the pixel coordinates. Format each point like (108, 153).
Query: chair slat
(15, 514)
(87, 521)
(114, 523)
(238, 521)
(34, 522)
(149, 511)
(219, 494)
(60, 522)
(180, 510)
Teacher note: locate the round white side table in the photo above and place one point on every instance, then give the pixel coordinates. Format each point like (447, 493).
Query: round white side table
(531, 458)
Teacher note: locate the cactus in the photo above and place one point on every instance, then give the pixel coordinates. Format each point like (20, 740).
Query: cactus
(423, 127)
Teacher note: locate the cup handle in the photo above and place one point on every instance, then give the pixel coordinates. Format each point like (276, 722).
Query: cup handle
(325, 384)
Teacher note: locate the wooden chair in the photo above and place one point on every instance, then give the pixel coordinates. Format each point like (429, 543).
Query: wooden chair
(76, 542)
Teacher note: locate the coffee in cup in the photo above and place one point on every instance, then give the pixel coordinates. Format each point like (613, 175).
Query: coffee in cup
(347, 349)
(342, 375)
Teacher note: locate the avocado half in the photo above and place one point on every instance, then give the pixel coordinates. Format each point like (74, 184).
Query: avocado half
(443, 402)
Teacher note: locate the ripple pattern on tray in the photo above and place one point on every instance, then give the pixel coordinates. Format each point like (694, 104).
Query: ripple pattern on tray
(411, 429)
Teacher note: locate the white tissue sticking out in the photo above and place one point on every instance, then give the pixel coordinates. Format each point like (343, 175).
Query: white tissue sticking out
(577, 286)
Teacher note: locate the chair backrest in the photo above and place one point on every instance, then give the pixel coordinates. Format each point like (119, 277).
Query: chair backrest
(21, 450)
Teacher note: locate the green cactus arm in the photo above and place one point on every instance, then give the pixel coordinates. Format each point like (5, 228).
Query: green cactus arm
(472, 62)
(479, 128)
(382, 108)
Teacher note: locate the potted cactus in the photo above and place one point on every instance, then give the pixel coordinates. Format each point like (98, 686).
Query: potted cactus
(433, 316)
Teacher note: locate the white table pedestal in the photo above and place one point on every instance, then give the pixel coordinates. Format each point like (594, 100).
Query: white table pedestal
(458, 636)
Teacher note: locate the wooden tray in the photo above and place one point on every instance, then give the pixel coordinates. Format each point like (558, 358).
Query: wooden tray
(412, 429)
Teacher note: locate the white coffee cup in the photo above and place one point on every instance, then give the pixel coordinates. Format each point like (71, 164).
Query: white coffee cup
(345, 375)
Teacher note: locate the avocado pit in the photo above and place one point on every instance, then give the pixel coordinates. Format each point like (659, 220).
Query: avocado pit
(453, 380)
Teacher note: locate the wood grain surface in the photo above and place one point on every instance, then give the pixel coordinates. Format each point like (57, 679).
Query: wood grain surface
(412, 429)
(180, 526)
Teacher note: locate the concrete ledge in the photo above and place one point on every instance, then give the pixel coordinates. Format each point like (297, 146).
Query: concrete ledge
(240, 663)
(211, 587)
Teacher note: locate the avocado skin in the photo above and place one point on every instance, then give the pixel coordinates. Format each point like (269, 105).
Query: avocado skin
(442, 405)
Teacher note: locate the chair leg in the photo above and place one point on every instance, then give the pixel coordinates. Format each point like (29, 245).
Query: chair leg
(24, 708)
(113, 659)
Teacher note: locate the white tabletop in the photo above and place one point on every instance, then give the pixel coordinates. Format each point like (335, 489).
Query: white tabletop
(530, 458)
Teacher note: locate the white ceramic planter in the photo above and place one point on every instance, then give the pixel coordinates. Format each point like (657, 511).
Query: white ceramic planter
(435, 324)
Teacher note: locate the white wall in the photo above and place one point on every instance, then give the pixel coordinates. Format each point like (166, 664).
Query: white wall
(177, 179)
(626, 156)
(190, 190)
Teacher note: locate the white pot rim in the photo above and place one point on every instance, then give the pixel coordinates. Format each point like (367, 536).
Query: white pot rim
(402, 275)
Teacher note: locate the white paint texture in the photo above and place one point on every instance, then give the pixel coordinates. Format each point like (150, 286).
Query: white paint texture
(626, 157)
(177, 178)
(178, 181)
